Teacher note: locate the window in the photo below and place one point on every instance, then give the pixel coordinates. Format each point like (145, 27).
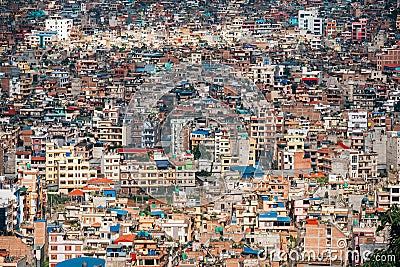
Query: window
(354, 159)
(54, 248)
(54, 257)
(67, 248)
(395, 190)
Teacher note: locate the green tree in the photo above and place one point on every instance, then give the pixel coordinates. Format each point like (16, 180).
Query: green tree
(397, 106)
(196, 152)
(388, 257)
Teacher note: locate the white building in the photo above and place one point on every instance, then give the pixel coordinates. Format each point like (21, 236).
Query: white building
(110, 166)
(179, 230)
(62, 76)
(61, 26)
(309, 20)
(62, 248)
(357, 121)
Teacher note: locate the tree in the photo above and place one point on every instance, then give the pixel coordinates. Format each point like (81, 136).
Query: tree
(397, 107)
(388, 257)
(196, 152)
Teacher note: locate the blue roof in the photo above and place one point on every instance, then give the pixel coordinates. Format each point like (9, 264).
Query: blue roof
(211, 100)
(251, 251)
(156, 213)
(283, 219)
(248, 171)
(203, 132)
(109, 191)
(162, 164)
(120, 212)
(91, 262)
(51, 227)
(46, 34)
(115, 228)
(269, 215)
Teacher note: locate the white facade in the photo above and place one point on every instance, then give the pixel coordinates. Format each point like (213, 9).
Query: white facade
(357, 121)
(309, 20)
(61, 249)
(41, 38)
(110, 166)
(177, 229)
(62, 76)
(61, 26)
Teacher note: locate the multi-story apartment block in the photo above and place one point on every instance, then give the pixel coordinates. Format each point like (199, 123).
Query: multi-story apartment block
(393, 151)
(111, 134)
(63, 247)
(67, 169)
(330, 27)
(110, 166)
(309, 20)
(60, 25)
(31, 189)
(357, 121)
(41, 38)
(389, 58)
(359, 31)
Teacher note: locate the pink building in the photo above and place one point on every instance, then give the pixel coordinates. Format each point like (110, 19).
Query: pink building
(359, 30)
(300, 209)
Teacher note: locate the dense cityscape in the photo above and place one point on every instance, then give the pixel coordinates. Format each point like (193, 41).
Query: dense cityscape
(236, 133)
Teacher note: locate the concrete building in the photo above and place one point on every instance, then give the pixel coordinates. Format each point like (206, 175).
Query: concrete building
(61, 25)
(393, 151)
(309, 20)
(63, 248)
(359, 31)
(110, 166)
(66, 169)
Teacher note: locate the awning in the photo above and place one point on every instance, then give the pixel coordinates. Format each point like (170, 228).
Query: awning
(119, 212)
(115, 228)
(284, 219)
(251, 251)
(156, 213)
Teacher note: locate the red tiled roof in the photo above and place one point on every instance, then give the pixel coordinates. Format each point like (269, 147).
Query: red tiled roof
(125, 238)
(77, 192)
(23, 152)
(39, 158)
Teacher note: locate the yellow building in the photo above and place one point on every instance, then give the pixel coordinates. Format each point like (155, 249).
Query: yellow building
(66, 168)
